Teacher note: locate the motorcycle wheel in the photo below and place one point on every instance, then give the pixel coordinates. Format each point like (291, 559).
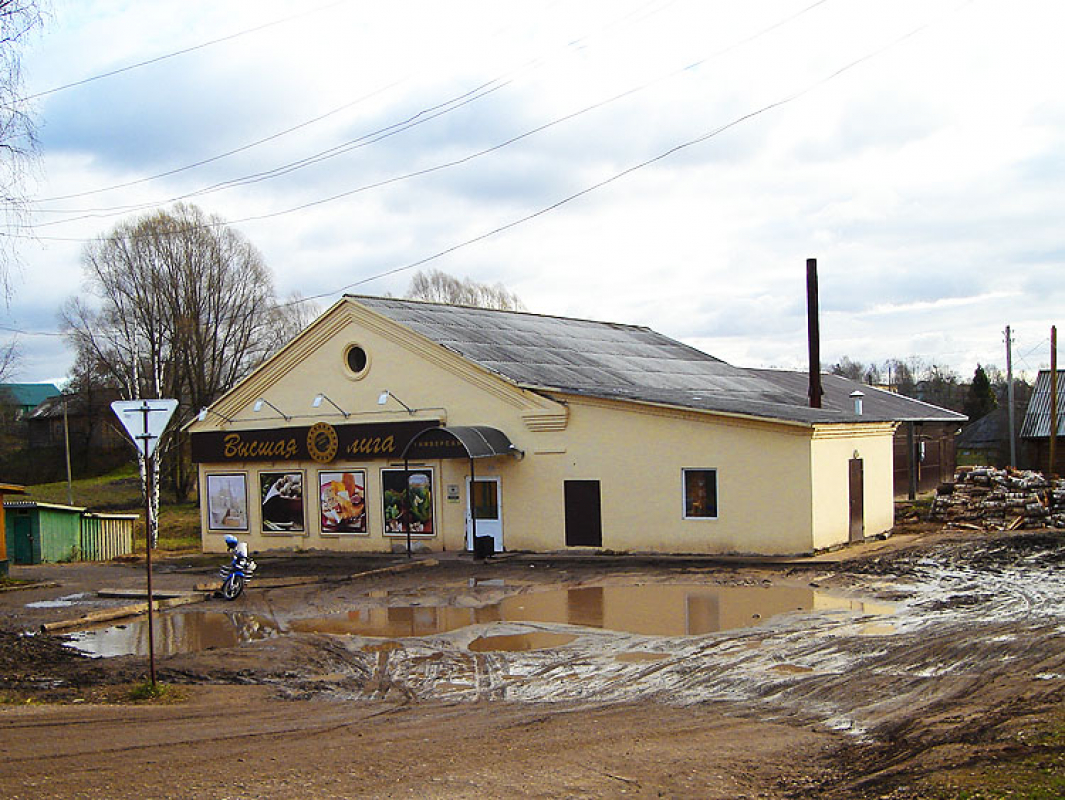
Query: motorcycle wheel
(232, 587)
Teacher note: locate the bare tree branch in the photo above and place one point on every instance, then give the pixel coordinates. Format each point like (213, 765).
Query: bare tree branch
(439, 287)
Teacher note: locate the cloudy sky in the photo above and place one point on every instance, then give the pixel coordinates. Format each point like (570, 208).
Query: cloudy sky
(668, 163)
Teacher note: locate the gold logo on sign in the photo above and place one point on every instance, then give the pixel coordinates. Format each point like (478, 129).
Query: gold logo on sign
(322, 442)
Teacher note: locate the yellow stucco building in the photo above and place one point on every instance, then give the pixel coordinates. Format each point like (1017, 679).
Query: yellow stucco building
(380, 423)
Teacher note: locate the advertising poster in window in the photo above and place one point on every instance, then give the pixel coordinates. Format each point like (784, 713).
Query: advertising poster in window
(282, 499)
(342, 501)
(395, 483)
(227, 502)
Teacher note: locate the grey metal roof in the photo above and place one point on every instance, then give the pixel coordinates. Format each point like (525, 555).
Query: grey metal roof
(877, 404)
(1037, 417)
(608, 360)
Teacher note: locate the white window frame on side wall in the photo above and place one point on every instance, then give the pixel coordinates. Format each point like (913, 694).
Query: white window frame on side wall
(684, 493)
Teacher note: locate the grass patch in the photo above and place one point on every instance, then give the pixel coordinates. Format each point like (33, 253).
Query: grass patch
(120, 492)
(15, 700)
(1039, 777)
(1031, 768)
(147, 692)
(116, 491)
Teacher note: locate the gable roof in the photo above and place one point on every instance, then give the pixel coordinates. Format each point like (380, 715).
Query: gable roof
(1037, 416)
(989, 431)
(27, 395)
(878, 404)
(608, 360)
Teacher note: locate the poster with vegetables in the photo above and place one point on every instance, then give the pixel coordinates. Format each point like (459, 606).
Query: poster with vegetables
(342, 496)
(398, 485)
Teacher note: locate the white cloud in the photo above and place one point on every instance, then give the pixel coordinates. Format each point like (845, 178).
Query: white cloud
(926, 179)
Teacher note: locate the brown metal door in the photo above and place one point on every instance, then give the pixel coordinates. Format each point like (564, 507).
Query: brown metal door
(584, 522)
(857, 500)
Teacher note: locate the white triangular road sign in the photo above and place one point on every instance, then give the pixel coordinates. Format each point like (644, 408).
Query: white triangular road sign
(145, 421)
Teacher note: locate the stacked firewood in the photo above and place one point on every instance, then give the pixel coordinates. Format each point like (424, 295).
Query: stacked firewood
(984, 498)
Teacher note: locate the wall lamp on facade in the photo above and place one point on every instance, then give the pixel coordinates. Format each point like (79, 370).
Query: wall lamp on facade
(383, 398)
(205, 411)
(263, 401)
(317, 403)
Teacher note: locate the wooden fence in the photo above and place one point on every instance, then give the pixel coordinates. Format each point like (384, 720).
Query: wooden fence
(106, 536)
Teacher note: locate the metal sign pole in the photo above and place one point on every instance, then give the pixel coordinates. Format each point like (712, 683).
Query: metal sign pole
(406, 492)
(154, 419)
(148, 527)
(147, 448)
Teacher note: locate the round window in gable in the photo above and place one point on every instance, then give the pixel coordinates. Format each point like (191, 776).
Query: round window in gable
(356, 359)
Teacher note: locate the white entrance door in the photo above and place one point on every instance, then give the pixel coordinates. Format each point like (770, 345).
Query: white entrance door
(483, 499)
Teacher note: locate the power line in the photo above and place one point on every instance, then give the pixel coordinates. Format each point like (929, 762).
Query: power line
(605, 182)
(566, 200)
(422, 116)
(618, 176)
(202, 162)
(174, 54)
(571, 44)
(21, 332)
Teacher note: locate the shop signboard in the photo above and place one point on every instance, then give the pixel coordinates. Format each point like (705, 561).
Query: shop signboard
(320, 442)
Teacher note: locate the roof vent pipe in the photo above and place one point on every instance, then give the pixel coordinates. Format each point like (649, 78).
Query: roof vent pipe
(857, 396)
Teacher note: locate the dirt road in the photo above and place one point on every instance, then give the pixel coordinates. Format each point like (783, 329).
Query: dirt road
(236, 742)
(916, 671)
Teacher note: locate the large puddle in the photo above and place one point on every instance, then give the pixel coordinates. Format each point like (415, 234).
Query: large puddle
(647, 609)
(176, 632)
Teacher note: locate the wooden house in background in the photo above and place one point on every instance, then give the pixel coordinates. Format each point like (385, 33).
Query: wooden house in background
(1035, 432)
(924, 445)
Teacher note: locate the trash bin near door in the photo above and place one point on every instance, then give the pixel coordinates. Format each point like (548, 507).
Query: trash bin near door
(483, 546)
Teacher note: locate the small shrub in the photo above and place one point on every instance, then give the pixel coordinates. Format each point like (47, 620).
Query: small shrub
(148, 692)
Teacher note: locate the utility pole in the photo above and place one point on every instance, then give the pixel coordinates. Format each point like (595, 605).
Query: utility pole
(1009, 396)
(66, 444)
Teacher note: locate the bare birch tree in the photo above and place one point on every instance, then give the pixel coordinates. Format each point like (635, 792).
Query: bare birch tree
(18, 132)
(185, 309)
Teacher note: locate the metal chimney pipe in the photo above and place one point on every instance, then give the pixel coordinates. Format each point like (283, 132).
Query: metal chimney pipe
(813, 334)
(857, 396)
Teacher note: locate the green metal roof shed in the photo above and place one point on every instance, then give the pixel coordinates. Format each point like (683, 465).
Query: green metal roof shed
(42, 532)
(46, 532)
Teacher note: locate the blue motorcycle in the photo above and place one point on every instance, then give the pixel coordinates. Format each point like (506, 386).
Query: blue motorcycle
(235, 576)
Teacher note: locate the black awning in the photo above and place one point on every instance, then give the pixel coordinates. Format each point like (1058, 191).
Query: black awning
(459, 441)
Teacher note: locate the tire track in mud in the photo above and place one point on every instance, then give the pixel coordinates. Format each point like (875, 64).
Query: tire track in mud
(957, 631)
(230, 725)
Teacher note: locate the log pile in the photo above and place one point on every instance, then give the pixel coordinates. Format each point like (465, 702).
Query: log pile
(984, 498)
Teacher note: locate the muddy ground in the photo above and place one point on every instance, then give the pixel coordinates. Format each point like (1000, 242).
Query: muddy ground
(928, 665)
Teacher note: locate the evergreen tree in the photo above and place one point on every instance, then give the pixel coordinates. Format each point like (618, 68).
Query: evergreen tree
(981, 399)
